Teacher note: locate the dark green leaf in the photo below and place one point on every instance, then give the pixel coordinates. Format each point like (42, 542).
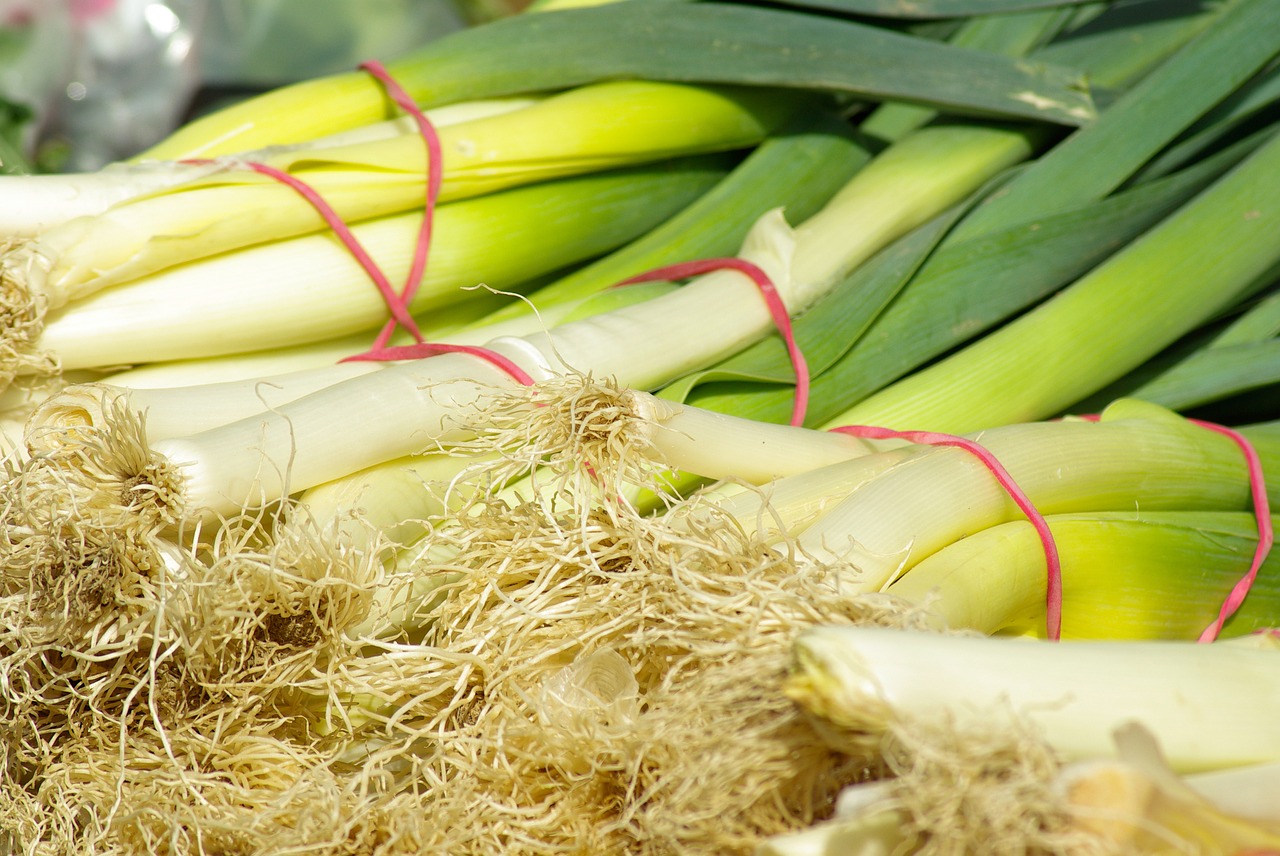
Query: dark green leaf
(932, 8)
(726, 43)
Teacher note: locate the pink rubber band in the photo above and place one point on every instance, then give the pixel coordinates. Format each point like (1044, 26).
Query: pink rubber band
(423, 350)
(435, 178)
(397, 307)
(773, 300)
(397, 304)
(1266, 536)
(344, 234)
(1053, 565)
(1261, 513)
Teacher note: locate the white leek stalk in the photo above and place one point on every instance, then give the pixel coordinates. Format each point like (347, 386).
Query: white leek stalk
(635, 427)
(396, 498)
(1210, 706)
(1252, 792)
(719, 446)
(275, 363)
(784, 508)
(1138, 805)
(197, 403)
(34, 203)
(1132, 803)
(178, 411)
(869, 834)
(467, 323)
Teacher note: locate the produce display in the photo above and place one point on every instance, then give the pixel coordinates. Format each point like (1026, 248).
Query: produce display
(651, 427)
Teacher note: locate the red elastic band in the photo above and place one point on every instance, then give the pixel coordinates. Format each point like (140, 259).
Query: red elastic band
(343, 233)
(1053, 565)
(397, 307)
(773, 300)
(432, 349)
(1266, 537)
(1261, 514)
(397, 304)
(435, 177)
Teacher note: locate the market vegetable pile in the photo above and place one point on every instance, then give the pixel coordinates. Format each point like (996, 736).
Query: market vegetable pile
(841, 427)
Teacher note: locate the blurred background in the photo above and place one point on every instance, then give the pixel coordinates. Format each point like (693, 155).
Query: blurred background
(87, 82)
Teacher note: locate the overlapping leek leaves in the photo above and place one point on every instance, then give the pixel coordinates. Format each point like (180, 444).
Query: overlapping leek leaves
(933, 315)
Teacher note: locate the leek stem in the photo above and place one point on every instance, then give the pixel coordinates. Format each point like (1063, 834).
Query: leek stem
(709, 43)
(1142, 455)
(36, 203)
(1209, 706)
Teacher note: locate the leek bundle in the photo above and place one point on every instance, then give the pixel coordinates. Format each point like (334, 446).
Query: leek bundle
(502, 240)
(731, 120)
(431, 400)
(797, 170)
(552, 138)
(955, 530)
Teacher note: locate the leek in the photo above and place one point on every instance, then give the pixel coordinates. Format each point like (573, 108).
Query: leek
(1210, 366)
(1075, 693)
(443, 324)
(706, 43)
(40, 202)
(1138, 803)
(1133, 802)
(203, 394)
(800, 170)
(1151, 459)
